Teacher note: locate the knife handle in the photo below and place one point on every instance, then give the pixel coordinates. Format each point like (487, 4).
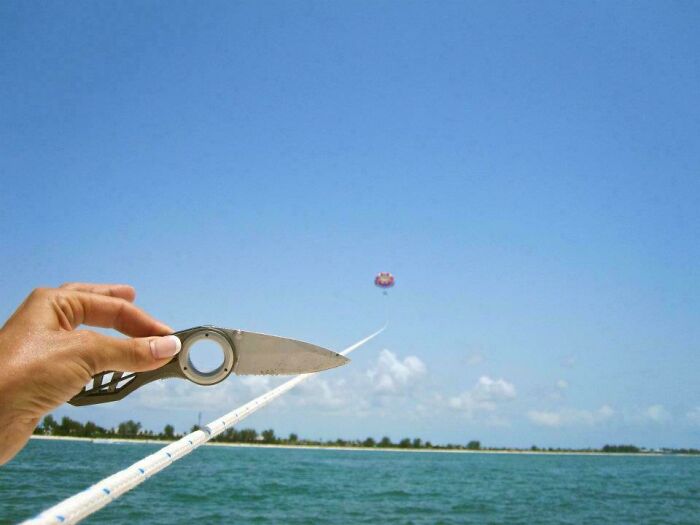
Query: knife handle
(114, 385)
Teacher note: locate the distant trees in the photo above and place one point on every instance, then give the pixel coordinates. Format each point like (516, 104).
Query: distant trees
(269, 436)
(247, 435)
(627, 449)
(133, 430)
(129, 428)
(49, 424)
(385, 442)
(69, 427)
(692, 451)
(169, 432)
(91, 429)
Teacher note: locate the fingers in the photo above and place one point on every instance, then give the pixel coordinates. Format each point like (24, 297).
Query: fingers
(107, 312)
(122, 291)
(103, 353)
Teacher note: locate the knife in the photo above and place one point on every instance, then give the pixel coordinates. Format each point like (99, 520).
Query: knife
(245, 353)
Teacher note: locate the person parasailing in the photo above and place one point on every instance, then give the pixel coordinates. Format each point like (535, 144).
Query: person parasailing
(384, 280)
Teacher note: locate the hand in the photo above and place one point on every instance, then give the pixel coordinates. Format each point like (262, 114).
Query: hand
(45, 361)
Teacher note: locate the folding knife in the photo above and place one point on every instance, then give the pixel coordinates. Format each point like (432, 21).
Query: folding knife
(245, 353)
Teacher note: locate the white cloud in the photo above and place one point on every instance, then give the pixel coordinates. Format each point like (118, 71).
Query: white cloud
(257, 385)
(384, 388)
(545, 419)
(326, 394)
(391, 374)
(488, 389)
(657, 414)
(571, 417)
(693, 415)
(485, 396)
(555, 391)
(183, 395)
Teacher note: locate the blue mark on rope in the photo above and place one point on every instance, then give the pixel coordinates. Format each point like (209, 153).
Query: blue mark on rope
(60, 518)
(105, 490)
(168, 454)
(142, 471)
(190, 442)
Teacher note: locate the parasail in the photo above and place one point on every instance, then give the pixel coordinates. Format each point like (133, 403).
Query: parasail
(384, 280)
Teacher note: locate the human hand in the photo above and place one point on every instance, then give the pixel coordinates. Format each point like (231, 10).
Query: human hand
(45, 361)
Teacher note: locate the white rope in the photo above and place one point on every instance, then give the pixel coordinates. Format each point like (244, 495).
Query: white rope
(78, 507)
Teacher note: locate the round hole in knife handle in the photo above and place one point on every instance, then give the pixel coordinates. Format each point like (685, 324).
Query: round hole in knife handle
(206, 355)
(194, 365)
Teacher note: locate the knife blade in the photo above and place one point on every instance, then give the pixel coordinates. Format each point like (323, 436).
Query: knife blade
(262, 354)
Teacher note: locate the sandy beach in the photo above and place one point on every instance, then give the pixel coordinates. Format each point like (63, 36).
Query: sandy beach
(350, 449)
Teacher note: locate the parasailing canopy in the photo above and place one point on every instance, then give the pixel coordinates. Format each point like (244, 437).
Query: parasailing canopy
(384, 280)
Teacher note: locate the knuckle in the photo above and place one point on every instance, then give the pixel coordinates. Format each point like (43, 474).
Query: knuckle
(123, 309)
(40, 292)
(137, 352)
(88, 345)
(86, 338)
(62, 301)
(123, 303)
(86, 349)
(69, 309)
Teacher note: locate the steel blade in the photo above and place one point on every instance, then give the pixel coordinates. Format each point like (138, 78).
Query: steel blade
(261, 354)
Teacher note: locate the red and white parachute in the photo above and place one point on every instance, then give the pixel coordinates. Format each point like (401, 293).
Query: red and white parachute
(384, 280)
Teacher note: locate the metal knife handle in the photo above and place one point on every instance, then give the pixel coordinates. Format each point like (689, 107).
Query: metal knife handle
(113, 386)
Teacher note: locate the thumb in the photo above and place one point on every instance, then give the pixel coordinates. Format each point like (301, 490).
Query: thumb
(135, 355)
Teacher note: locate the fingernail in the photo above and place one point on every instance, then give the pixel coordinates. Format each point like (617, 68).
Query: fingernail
(166, 346)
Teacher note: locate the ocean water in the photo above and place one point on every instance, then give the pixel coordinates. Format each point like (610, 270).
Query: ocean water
(266, 485)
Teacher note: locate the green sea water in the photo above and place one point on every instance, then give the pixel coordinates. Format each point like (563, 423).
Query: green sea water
(267, 485)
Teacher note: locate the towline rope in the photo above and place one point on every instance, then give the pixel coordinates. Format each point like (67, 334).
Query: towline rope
(89, 501)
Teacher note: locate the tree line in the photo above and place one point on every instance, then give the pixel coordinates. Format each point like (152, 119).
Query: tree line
(134, 430)
(131, 429)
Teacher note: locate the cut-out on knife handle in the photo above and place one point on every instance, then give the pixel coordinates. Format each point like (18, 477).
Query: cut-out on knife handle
(113, 386)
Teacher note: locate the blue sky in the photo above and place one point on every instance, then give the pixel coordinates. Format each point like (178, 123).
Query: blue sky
(529, 172)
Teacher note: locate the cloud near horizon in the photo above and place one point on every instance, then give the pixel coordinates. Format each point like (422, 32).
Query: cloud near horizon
(390, 375)
(657, 414)
(570, 417)
(485, 396)
(693, 415)
(394, 385)
(390, 380)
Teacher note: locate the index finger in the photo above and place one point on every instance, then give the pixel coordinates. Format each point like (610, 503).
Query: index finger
(123, 291)
(108, 312)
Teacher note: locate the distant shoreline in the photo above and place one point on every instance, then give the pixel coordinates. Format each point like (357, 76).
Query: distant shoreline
(368, 449)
